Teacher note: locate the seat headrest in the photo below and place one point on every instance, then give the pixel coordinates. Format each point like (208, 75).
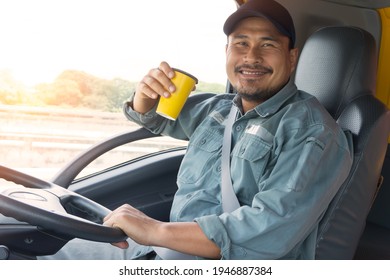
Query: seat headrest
(339, 60)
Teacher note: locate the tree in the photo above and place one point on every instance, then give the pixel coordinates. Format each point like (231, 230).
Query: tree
(78, 89)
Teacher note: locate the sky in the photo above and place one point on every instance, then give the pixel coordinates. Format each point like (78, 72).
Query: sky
(112, 38)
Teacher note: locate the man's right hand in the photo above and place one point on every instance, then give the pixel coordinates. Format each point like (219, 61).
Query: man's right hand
(155, 84)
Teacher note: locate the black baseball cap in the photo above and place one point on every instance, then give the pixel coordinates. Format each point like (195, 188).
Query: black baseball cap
(269, 9)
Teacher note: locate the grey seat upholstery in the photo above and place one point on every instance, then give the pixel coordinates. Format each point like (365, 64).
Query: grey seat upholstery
(338, 66)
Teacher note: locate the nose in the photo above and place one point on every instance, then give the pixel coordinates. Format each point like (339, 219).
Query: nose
(254, 55)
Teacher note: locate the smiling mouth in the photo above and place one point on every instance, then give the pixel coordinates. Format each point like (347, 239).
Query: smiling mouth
(251, 71)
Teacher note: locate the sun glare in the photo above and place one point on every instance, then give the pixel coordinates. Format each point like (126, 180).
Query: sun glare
(66, 66)
(113, 38)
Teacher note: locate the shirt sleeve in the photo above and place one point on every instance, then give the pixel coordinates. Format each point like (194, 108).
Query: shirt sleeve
(193, 113)
(149, 120)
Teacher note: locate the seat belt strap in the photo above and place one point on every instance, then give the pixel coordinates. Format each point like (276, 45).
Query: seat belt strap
(229, 198)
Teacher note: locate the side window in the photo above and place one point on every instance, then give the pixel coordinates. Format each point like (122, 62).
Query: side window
(66, 67)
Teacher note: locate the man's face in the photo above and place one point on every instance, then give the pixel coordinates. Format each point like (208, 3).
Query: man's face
(258, 59)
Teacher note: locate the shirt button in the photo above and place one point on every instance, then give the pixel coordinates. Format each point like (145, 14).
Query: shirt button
(238, 127)
(242, 151)
(188, 196)
(203, 142)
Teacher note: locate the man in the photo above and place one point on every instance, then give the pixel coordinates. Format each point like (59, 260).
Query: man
(288, 155)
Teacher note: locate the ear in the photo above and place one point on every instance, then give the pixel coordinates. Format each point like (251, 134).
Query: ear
(227, 44)
(294, 58)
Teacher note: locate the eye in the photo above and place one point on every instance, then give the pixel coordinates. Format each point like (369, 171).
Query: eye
(265, 45)
(242, 43)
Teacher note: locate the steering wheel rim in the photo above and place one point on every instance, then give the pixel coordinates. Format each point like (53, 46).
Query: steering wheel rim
(52, 208)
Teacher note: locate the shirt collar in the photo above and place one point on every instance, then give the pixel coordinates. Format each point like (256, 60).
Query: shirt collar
(273, 104)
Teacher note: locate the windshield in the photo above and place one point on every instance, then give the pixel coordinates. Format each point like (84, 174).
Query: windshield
(66, 67)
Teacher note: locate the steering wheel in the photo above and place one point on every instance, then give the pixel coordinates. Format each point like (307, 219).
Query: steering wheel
(54, 209)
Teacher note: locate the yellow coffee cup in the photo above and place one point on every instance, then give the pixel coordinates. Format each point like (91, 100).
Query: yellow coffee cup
(170, 107)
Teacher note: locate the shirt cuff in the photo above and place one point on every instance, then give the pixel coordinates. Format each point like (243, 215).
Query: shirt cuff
(149, 119)
(214, 229)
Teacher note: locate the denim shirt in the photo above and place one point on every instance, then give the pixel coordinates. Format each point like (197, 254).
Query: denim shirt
(288, 160)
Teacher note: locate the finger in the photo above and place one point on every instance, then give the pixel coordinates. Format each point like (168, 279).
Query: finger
(106, 218)
(124, 207)
(145, 89)
(163, 76)
(159, 83)
(155, 84)
(121, 244)
(167, 69)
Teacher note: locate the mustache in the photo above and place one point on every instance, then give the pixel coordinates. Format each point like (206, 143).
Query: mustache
(257, 67)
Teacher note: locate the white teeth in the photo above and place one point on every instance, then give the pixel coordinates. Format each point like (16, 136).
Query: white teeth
(251, 73)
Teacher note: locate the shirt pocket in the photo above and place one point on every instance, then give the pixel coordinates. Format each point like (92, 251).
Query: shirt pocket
(201, 155)
(250, 157)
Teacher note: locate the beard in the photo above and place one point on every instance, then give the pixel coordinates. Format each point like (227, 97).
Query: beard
(256, 96)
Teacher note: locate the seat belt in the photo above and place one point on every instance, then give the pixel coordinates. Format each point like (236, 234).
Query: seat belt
(229, 198)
